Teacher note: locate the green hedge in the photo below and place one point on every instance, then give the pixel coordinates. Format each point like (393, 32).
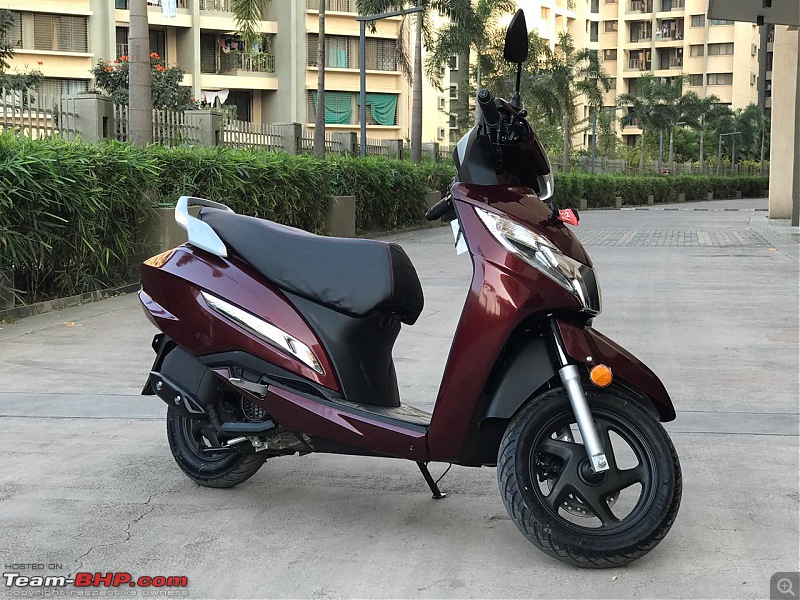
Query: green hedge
(600, 191)
(70, 211)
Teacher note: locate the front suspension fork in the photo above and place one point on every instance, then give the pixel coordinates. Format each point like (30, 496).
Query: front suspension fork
(571, 378)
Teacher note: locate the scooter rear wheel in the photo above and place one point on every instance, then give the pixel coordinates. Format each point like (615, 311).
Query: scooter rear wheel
(579, 517)
(217, 470)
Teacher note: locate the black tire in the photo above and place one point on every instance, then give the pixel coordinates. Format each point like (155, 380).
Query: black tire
(222, 470)
(531, 455)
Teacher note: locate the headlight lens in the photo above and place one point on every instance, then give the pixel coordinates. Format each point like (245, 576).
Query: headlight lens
(541, 254)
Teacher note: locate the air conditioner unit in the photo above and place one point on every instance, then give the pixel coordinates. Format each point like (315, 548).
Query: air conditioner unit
(753, 49)
(753, 78)
(442, 103)
(440, 133)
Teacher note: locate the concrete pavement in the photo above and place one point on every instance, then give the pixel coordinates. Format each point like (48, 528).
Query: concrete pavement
(707, 298)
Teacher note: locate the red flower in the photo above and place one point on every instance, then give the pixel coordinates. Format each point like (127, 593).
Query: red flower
(123, 58)
(108, 69)
(154, 55)
(160, 68)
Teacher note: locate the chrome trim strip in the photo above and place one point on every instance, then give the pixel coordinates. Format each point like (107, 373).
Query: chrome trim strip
(266, 331)
(199, 232)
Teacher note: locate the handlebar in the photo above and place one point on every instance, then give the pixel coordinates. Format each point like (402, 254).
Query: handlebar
(490, 113)
(438, 210)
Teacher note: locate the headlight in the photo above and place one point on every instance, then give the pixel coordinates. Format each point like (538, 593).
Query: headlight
(541, 254)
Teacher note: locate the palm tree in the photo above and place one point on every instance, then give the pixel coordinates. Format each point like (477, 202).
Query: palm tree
(537, 94)
(645, 106)
(140, 108)
(575, 73)
(421, 31)
(470, 27)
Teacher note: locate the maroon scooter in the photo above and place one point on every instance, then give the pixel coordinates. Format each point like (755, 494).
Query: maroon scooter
(278, 342)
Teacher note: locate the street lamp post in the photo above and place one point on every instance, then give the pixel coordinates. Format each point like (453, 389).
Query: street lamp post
(594, 129)
(719, 150)
(362, 61)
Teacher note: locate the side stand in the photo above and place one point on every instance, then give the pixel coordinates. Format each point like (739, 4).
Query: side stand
(437, 493)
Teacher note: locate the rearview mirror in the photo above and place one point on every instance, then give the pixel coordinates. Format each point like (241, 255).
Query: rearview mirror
(516, 47)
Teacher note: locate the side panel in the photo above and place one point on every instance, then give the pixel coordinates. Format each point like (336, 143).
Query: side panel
(590, 347)
(297, 412)
(172, 283)
(504, 292)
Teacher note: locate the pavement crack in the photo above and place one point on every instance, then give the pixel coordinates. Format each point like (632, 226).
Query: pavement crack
(149, 508)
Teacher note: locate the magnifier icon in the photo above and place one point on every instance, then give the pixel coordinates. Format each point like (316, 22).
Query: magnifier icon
(784, 586)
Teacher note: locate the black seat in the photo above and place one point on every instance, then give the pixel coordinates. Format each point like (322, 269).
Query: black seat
(352, 276)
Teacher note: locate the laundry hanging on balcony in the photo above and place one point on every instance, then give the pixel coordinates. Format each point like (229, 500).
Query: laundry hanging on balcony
(169, 8)
(210, 97)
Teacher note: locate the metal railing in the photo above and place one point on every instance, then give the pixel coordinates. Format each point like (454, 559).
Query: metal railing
(668, 5)
(36, 115)
(215, 5)
(348, 6)
(125, 4)
(641, 36)
(122, 50)
(257, 62)
(675, 62)
(252, 136)
(641, 6)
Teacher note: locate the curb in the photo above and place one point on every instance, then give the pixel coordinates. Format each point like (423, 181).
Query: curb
(47, 306)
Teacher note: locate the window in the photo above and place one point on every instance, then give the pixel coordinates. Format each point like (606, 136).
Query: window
(720, 78)
(453, 121)
(453, 91)
(720, 49)
(612, 84)
(593, 28)
(611, 1)
(452, 62)
(696, 79)
(698, 20)
(53, 87)
(440, 133)
(158, 42)
(65, 33)
(610, 55)
(697, 50)
(720, 22)
(609, 26)
(13, 36)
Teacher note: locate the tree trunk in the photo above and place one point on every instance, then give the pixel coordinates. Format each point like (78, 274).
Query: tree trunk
(641, 152)
(416, 98)
(140, 100)
(565, 157)
(319, 120)
(671, 159)
(702, 156)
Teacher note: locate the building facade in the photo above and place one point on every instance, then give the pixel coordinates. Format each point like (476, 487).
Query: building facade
(273, 80)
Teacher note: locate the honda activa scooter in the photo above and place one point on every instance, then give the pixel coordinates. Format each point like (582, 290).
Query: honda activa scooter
(278, 342)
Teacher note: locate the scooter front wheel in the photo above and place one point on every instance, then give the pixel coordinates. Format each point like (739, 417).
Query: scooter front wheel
(588, 519)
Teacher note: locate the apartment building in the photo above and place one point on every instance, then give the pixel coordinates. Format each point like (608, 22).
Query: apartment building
(273, 80)
(765, 64)
(669, 38)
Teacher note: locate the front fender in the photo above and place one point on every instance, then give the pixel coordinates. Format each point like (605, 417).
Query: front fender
(589, 347)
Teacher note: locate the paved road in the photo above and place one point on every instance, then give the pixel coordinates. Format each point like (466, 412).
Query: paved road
(708, 298)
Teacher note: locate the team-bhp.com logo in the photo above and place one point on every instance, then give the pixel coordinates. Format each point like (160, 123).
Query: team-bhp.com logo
(113, 579)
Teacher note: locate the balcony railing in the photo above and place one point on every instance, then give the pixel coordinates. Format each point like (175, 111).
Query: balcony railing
(215, 5)
(256, 62)
(122, 50)
(642, 6)
(124, 4)
(668, 5)
(675, 62)
(348, 6)
(641, 36)
(637, 64)
(669, 34)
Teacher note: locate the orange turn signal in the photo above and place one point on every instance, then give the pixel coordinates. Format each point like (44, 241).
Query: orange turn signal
(601, 376)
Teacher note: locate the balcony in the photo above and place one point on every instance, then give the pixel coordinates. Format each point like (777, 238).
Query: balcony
(256, 62)
(638, 64)
(640, 35)
(675, 62)
(124, 4)
(670, 30)
(215, 5)
(640, 6)
(346, 6)
(669, 5)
